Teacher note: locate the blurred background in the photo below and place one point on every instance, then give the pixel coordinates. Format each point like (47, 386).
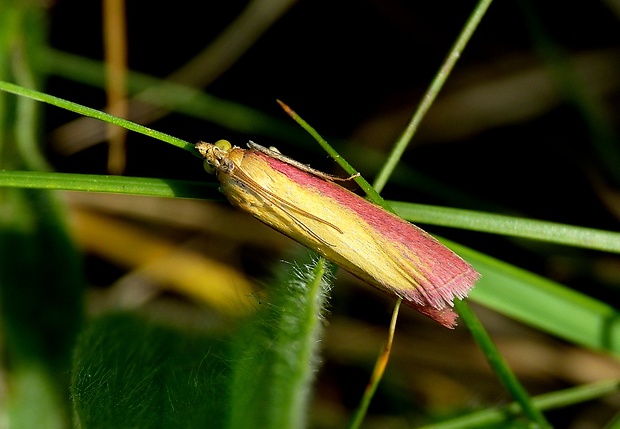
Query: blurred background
(526, 125)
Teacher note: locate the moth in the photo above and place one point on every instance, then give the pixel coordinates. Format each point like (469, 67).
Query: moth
(371, 243)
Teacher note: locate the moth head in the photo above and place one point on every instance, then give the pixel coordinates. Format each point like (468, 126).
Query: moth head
(215, 156)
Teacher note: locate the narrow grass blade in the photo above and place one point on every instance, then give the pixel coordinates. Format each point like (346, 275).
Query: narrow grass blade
(549, 232)
(377, 373)
(548, 401)
(368, 189)
(500, 366)
(429, 97)
(109, 184)
(97, 114)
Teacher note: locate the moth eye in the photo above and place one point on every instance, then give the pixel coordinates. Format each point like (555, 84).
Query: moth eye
(223, 145)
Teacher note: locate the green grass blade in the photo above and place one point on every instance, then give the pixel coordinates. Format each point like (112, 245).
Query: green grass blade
(548, 401)
(500, 366)
(371, 194)
(173, 96)
(542, 303)
(433, 90)
(549, 232)
(109, 184)
(96, 114)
